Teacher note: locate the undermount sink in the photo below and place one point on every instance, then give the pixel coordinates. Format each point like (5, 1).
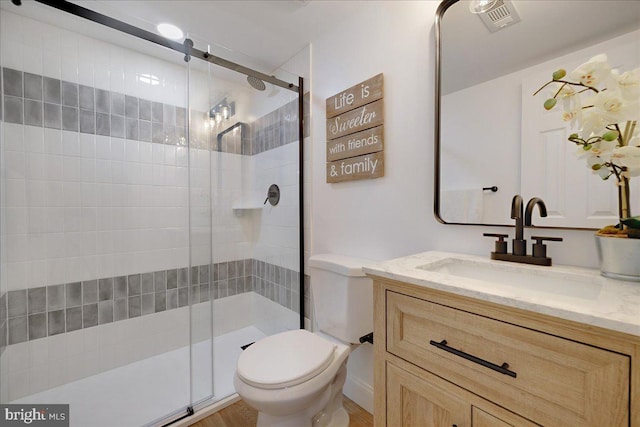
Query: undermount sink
(544, 279)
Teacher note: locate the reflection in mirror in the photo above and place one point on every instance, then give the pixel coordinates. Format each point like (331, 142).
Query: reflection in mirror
(494, 132)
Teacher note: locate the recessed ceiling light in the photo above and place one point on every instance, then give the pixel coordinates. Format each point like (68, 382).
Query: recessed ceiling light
(170, 31)
(481, 6)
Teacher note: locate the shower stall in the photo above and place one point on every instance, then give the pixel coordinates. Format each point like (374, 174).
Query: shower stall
(142, 244)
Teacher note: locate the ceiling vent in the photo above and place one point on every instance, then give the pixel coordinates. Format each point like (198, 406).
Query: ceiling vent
(501, 15)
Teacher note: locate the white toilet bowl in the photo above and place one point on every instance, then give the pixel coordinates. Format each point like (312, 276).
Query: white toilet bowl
(294, 379)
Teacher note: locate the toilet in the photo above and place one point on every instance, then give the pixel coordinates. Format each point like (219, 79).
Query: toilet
(295, 378)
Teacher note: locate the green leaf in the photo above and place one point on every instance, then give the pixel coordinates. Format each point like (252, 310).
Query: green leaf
(632, 222)
(596, 167)
(587, 147)
(611, 135)
(550, 103)
(558, 74)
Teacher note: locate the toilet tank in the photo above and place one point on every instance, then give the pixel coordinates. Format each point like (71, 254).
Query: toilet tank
(342, 296)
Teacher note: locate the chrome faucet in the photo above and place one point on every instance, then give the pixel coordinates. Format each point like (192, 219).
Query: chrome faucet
(519, 244)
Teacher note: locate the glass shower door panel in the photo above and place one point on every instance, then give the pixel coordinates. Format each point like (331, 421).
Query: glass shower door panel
(94, 218)
(201, 299)
(254, 281)
(275, 154)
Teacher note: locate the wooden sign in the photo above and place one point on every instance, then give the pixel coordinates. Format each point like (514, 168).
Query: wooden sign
(363, 93)
(365, 117)
(355, 132)
(362, 167)
(356, 144)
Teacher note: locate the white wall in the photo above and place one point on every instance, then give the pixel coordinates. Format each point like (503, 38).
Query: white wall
(393, 216)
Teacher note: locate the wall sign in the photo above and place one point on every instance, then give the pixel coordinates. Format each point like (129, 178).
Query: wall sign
(355, 132)
(364, 142)
(360, 167)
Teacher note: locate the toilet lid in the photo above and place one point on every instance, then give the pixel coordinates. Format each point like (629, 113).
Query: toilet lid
(285, 359)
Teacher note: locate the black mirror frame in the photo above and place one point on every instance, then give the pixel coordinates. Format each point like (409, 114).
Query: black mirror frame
(442, 8)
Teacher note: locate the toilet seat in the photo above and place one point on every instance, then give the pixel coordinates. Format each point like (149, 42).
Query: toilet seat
(285, 359)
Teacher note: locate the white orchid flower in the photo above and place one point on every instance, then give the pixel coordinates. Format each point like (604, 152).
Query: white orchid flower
(592, 123)
(614, 108)
(567, 95)
(593, 72)
(629, 84)
(604, 149)
(604, 173)
(606, 111)
(629, 157)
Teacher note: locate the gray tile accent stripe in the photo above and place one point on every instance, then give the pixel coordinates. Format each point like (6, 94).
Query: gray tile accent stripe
(281, 285)
(35, 313)
(3, 322)
(275, 129)
(35, 100)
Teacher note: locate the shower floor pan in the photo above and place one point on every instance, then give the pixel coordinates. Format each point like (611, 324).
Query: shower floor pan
(139, 393)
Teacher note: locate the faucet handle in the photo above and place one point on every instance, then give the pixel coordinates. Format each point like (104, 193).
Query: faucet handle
(539, 248)
(501, 245)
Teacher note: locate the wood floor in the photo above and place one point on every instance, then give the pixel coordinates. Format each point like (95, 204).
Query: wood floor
(241, 415)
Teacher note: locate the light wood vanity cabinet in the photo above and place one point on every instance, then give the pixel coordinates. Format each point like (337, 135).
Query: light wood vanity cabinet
(443, 360)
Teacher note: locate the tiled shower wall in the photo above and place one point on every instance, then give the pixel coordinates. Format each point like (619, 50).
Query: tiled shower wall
(97, 182)
(94, 179)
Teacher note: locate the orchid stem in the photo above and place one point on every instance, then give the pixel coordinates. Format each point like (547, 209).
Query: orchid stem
(566, 83)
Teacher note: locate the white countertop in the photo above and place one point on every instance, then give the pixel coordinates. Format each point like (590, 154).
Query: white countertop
(602, 302)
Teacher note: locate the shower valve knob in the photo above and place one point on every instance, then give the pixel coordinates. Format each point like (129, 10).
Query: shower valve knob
(273, 195)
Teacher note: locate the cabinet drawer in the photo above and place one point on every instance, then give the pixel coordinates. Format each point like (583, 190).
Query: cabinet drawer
(548, 379)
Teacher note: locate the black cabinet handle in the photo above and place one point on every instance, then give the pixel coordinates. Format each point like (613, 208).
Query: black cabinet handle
(503, 369)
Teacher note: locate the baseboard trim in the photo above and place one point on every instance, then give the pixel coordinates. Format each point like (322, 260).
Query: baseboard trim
(360, 392)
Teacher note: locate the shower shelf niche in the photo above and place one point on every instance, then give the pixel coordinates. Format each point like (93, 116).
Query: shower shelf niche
(243, 206)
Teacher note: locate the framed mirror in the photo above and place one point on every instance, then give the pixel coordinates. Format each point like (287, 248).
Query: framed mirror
(492, 133)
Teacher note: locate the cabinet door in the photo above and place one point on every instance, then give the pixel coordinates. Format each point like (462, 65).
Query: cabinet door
(483, 419)
(550, 380)
(497, 418)
(417, 402)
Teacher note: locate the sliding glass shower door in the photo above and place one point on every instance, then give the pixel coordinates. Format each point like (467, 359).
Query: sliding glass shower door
(245, 132)
(149, 219)
(95, 220)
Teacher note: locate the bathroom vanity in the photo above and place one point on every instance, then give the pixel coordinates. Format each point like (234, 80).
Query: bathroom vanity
(466, 341)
